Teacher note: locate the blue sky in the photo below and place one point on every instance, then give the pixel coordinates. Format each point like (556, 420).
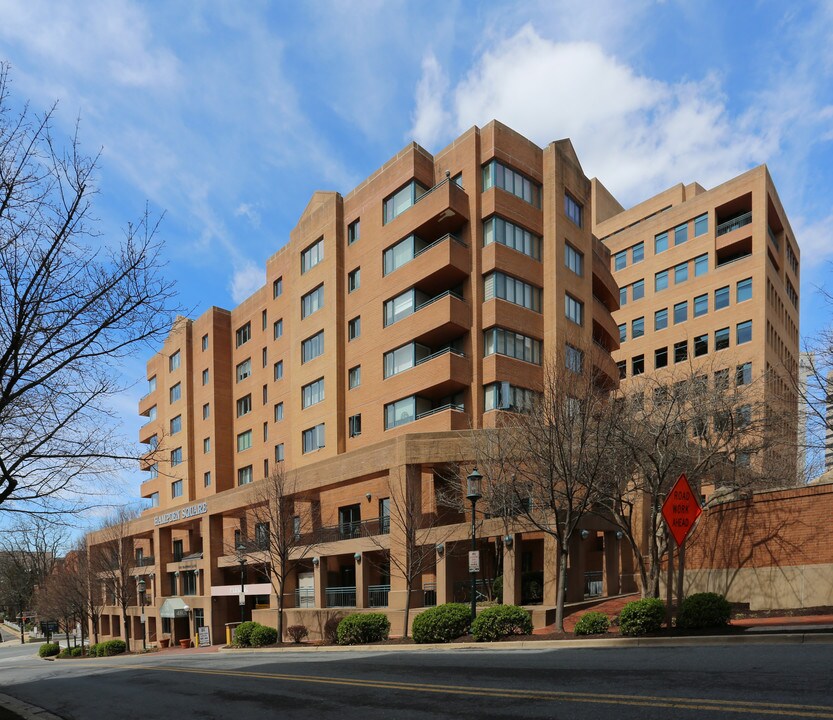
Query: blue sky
(227, 116)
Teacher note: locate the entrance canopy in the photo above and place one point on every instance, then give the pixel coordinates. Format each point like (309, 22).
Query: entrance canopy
(173, 608)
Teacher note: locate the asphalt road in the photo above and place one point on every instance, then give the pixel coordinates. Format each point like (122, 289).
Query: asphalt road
(740, 681)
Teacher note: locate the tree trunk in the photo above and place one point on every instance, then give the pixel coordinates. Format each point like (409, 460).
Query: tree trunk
(95, 629)
(280, 613)
(407, 608)
(561, 586)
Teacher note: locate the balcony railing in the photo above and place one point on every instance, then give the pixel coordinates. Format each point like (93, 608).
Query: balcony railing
(438, 354)
(429, 594)
(734, 223)
(348, 531)
(340, 596)
(145, 561)
(450, 406)
(304, 597)
(773, 238)
(593, 584)
(434, 299)
(377, 595)
(447, 236)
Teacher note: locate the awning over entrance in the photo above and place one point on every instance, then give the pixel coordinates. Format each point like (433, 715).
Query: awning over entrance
(173, 608)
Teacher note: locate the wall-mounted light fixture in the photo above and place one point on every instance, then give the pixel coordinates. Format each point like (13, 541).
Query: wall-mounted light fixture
(440, 549)
(368, 496)
(619, 534)
(508, 541)
(316, 561)
(357, 557)
(176, 573)
(584, 534)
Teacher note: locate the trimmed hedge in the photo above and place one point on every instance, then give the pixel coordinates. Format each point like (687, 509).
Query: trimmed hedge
(442, 624)
(640, 617)
(107, 648)
(501, 621)
(49, 650)
(243, 633)
(363, 628)
(263, 635)
(592, 623)
(704, 610)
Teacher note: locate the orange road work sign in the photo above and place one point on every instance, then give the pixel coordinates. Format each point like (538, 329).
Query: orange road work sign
(681, 509)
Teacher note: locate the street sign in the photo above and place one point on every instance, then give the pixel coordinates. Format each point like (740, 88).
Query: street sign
(474, 561)
(681, 509)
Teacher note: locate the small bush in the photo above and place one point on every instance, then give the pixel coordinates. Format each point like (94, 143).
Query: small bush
(501, 621)
(640, 617)
(263, 635)
(331, 629)
(49, 650)
(297, 633)
(65, 653)
(77, 651)
(592, 623)
(113, 647)
(497, 588)
(363, 628)
(442, 623)
(243, 633)
(92, 651)
(704, 610)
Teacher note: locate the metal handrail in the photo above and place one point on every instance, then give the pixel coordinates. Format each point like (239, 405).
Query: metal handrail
(593, 584)
(347, 531)
(438, 353)
(438, 297)
(438, 185)
(449, 406)
(145, 561)
(734, 223)
(437, 242)
(377, 595)
(304, 597)
(340, 596)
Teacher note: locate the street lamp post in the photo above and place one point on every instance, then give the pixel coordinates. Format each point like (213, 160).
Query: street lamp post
(241, 548)
(473, 495)
(141, 586)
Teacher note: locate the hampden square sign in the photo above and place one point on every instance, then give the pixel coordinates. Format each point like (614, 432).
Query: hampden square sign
(174, 515)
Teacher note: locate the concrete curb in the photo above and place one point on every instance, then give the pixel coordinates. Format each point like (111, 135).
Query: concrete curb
(25, 710)
(709, 640)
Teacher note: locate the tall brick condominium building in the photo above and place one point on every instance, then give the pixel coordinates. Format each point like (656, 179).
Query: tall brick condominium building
(396, 320)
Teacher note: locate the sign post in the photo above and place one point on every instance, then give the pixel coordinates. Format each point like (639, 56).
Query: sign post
(680, 510)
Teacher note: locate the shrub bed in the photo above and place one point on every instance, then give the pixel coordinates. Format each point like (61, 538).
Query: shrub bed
(112, 647)
(263, 635)
(592, 623)
(501, 621)
(640, 617)
(442, 624)
(243, 633)
(49, 650)
(363, 628)
(704, 610)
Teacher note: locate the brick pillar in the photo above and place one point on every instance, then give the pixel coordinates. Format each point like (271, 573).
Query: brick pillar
(512, 571)
(550, 570)
(444, 589)
(320, 577)
(575, 569)
(610, 576)
(362, 577)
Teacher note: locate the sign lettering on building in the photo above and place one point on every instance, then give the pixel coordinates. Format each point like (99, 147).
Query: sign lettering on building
(184, 513)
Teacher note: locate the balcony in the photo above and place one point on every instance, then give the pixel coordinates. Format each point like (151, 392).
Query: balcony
(442, 373)
(347, 531)
(443, 263)
(340, 597)
(734, 223)
(305, 597)
(443, 209)
(502, 313)
(496, 256)
(436, 321)
(604, 286)
(497, 368)
(605, 321)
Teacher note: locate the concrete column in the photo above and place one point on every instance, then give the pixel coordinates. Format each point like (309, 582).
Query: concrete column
(320, 573)
(610, 576)
(444, 589)
(362, 578)
(550, 570)
(512, 571)
(575, 569)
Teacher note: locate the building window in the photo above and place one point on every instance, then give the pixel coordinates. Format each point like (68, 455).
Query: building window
(661, 281)
(518, 292)
(312, 301)
(623, 296)
(264, 357)
(623, 332)
(721, 339)
(680, 234)
(176, 489)
(574, 309)
(681, 312)
(721, 298)
(744, 332)
(701, 345)
(264, 320)
(354, 328)
(572, 209)
(505, 342)
(743, 374)
(701, 265)
(153, 441)
(403, 199)
(206, 446)
(701, 305)
(661, 319)
(244, 369)
(312, 393)
(660, 358)
(277, 372)
(354, 423)
(174, 361)
(637, 253)
(503, 232)
(244, 475)
(681, 351)
(638, 365)
(243, 334)
(313, 255)
(176, 456)
(402, 306)
(265, 438)
(744, 290)
(402, 412)
(154, 500)
(151, 385)
(277, 329)
(660, 243)
(312, 439)
(620, 260)
(681, 273)
(401, 253)
(573, 358)
(265, 395)
(176, 424)
(204, 343)
(403, 358)
(496, 174)
(503, 396)
(244, 405)
(206, 478)
(638, 327)
(354, 377)
(353, 230)
(573, 259)
(279, 412)
(152, 414)
(279, 452)
(622, 366)
(354, 280)
(205, 377)
(638, 290)
(277, 287)
(262, 536)
(312, 347)
(458, 179)
(206, 411)
(176, 392)
(154, 471)
(244, 441)
(701, 225)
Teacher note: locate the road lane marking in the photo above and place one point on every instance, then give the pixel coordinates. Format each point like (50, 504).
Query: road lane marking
(679, 703)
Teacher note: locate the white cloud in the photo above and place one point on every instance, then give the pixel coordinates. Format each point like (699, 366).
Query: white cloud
(430, 118)
(815, 239)
(250, 212)
(246, 279)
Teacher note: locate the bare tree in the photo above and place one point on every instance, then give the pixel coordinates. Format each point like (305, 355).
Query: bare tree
(282, 537)
(72, 304)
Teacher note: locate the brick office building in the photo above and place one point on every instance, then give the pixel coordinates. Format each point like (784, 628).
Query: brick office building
(396, 319)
